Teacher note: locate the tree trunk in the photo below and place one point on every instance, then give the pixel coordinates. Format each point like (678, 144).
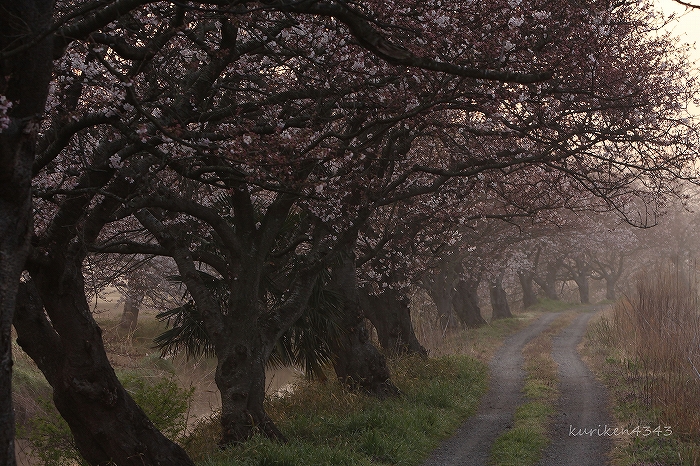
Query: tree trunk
(499, 300)
(549, 283)
(443, 302)
(441, 290)
(15, 232)
(240, 377)
(24, 83)
(610, 285)
(529, 296)
(390, 314)
(581, 275)
(357, 363)
(583, 289)
(466, 303)
(130, 315)
(243, 335)
(107, 425)
(613, 277)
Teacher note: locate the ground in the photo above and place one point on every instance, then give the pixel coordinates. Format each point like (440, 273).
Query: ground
(582, 403)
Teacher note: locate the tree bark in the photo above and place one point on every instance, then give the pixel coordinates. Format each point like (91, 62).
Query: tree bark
(240, 377)
(130, 314)
(24, 83)
(549, 283)
(499, 300)
(440, 288)
(15, 231)
(529, 295)
(581, 274)
(390, 314)
(107, 425)
(584, 291)
(466, 303)
(444, 305)
(357, 363)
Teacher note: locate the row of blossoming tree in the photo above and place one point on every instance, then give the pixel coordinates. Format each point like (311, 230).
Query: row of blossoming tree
(274, 148)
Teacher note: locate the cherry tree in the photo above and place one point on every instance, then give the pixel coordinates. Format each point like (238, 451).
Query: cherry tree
(24, 79)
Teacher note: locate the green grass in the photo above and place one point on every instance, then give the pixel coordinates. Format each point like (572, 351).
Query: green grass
(553, 305)
(330, 426)
(28, 387)
(524, 443)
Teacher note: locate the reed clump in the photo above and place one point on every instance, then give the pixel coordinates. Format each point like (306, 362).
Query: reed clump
(657, 330)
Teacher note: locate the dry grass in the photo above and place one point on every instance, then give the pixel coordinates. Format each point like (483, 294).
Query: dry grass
(659, 329)
(647, 349)
(480, 343)
(539, 364)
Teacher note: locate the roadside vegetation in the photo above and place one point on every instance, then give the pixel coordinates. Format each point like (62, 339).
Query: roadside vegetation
(326, 424)
(647, 351)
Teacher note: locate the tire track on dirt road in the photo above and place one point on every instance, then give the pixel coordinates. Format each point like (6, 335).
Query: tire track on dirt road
(582, 405)
(471, 444)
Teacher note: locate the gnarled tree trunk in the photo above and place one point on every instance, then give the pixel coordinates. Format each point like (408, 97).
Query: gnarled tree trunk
(358, 364)
(549, 282)
(529, 295)
(440, 288)
(240, 377)
(390, 314)
(466, 303)
(584, 290)
(24, 80)
(242, 342)
(499, 300)
(581, 275)
(107, 425)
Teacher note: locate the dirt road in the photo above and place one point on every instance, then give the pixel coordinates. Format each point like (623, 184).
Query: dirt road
(471, 444)
(578, 429)
(582, 404)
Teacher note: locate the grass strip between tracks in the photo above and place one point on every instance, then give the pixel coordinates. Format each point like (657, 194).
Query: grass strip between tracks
(523, 444)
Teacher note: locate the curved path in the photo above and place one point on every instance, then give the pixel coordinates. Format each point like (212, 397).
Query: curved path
(582, 404)
(471, 444)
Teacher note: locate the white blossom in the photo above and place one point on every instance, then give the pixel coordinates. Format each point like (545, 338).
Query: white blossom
(5, 105)
(142, 131)
(115, 161)
(514, 22)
